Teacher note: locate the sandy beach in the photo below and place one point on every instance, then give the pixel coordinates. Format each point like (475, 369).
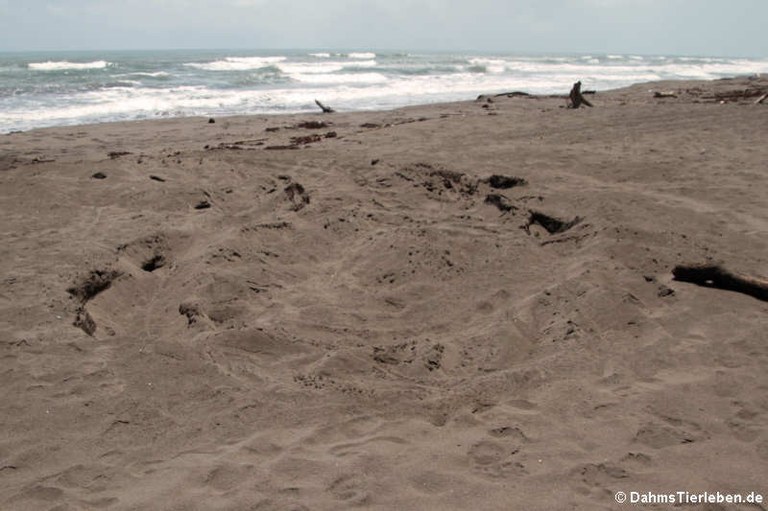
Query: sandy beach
(455, 306)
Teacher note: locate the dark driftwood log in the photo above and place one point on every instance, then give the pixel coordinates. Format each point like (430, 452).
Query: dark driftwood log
(514, 94)
(325, 109)
(576, 98)
(735, 95)
(720, 278)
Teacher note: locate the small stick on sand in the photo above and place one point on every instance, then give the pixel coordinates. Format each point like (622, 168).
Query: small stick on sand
(325, 109)
(761, 99)
(718, 277)
(576, 99)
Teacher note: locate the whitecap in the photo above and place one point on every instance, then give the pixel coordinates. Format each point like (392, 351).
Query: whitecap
(490, 65)
(311, 68)
(236, 63)
(157, 74)
(361, 63)
(362, 55)
(66, 65)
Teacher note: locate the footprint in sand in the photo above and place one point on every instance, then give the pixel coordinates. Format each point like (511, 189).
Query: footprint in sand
(659, 436)
(349, 489)
(433, 483)
(495, 459)
(601, 474)
(228, 476)
(745, 423)
(600, 477)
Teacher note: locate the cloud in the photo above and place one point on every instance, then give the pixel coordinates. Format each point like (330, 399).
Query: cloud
(248, 3)
(617, 3)
(637, 26)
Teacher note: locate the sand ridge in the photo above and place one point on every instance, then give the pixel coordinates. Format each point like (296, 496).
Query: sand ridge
(454, 306)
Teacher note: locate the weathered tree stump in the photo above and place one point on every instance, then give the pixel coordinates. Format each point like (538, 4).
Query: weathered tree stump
(576, 98)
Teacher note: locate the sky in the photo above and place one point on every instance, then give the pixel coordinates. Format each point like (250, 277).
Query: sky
(650, 27)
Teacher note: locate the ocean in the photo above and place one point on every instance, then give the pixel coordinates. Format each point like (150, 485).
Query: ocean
(69, 88)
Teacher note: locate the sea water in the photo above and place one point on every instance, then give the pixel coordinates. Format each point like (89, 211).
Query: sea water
(68, 88)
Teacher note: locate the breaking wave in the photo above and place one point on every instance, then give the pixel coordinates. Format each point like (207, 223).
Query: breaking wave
(66, 65)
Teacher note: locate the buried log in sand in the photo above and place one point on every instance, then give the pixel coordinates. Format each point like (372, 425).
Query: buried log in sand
(716, 276)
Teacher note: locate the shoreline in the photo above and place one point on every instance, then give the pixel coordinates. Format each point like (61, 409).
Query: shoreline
(428, 103)
(447, 306)
(685, 91)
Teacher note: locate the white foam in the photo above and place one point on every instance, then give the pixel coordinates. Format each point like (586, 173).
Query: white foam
(125, 83)
(343, 78)
(362, 55)
(714, 69)
(321, 55)
(66, 65)
(158, 74)
(237, 63)
(700, 59)
(322, 67)
(311, 68)
(125, 102)
(361, 63)
(490, 65)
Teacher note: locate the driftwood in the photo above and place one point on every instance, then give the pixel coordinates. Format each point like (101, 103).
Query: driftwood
(576, 98)
(500, 201)
(551, 224)
(312, 125)
(664, 95)
(718, 277)
(761, 99)
(325, 109)
(514, 94)
(736, 95)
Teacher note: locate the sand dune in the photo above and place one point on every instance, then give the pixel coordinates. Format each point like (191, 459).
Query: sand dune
(457, 306)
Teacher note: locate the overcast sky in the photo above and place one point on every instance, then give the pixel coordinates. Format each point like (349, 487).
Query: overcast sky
(685, 27)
